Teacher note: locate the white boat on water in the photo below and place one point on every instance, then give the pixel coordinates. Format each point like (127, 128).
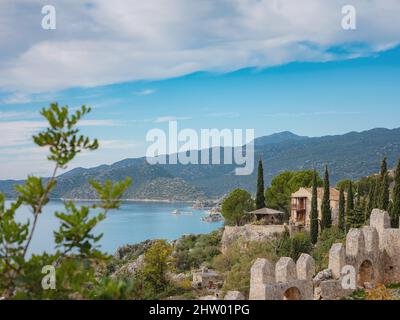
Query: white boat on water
(176, 211)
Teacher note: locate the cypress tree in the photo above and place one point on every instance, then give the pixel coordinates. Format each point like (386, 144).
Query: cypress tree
(342, 213)
(260, 198)
(349, 207)
(370, 202)
(357, 219)
(395, 208)
(326, 212)
(376, 192)
(314, 211)
(384, 187)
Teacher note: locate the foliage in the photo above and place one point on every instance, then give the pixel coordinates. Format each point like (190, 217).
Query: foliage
(379, 293)
(345, 184)
(357, 218)
(236, 263)
(327, 238)
(342, 212)
(384, 187)
(349, 206)
(193, 250)
(235, 207)
(294, 246)
(156, 264)
(260, 198)
(326, 211)
(283, 185)
(314, 211)
(76, 244)
(395, 208)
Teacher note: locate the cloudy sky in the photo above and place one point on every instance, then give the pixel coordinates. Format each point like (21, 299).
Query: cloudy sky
(271, 65)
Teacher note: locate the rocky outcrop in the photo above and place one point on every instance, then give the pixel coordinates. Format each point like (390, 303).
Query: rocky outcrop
(249, 233)
(132, 251)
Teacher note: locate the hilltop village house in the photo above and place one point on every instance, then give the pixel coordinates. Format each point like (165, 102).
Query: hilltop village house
(301, 206)
(269, 216)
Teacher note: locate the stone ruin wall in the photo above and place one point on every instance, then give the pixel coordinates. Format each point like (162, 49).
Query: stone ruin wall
(373, 251)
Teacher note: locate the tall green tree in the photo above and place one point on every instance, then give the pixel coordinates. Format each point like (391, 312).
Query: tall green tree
(384, 186)
(260, 198)
(377, 192)
(395, 208)
(371, 201)
(349, 206)
(326, 211)
(357, 219)
(236, 206)
(314, 211)
(342, 211)
(277, 196)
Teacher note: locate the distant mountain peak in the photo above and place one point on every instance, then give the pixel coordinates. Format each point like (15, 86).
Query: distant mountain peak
(278, 137)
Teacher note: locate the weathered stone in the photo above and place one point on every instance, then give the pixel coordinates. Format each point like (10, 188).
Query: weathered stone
(130, 268)
(248, 233)
(305, 267)
(371, 238)
(332, 289)
(380, 220)
(208, 298)
(355, 243)
(262, 271)
(369, 285)
(322, 276)
(372, 252)
(234, 295)
(337, 259)
(285, 270)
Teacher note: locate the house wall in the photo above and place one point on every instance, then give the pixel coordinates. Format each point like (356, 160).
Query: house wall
(304, 193)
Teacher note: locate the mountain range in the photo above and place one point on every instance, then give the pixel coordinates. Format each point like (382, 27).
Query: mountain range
(349, 156)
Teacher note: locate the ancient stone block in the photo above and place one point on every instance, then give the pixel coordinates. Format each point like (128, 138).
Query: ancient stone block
(305, 267)
(380, 220)
(371, 238)
(285, 270)
(234, 295)
(337, 259)
(355, 243)
(262, 271)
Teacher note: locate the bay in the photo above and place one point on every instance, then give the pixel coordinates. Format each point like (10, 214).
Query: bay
(133, 222)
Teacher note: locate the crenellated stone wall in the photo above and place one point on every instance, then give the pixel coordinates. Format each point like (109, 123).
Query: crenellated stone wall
(373, 252)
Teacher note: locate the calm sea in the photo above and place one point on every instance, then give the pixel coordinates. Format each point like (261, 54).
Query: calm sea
(132, 223)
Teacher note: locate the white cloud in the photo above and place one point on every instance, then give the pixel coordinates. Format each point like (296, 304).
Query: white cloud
(113, 41)
(170, 118)
(17, 133)
(309, 114)
(117, 144)
(6, 115)
(145, 92)
(16, 98)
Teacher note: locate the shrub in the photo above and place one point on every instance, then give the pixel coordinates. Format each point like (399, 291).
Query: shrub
(236, 263)
(327, 238)
(294, 246)
(193, 250)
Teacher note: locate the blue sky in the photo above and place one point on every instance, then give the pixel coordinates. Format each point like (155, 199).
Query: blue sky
(311, 83)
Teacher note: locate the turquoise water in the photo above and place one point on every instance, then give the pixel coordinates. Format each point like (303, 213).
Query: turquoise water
(132, 223)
